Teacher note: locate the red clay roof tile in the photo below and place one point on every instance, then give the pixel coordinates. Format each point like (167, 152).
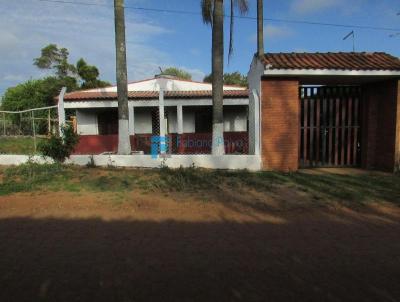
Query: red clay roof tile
(149, 95)
(333, 61)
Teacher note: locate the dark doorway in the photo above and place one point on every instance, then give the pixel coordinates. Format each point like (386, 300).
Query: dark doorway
(330, 129)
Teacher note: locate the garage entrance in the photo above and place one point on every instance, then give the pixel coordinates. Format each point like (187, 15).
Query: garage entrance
(330, 128)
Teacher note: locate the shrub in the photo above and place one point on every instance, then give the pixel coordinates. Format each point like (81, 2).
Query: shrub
(60, 147)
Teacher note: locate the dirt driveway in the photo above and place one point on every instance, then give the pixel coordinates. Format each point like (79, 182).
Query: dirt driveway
(167, 247)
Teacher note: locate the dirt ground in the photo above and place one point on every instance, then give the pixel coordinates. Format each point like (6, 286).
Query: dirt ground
(63, 246)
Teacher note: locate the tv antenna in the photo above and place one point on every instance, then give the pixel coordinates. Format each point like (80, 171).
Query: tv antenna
(351, 34)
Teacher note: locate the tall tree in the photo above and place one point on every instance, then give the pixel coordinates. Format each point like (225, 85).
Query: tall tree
(89, 75)
(55, 58)
(260, 28)
(213, 13)
(124, 145)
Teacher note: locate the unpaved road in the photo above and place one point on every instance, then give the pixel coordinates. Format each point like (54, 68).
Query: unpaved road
(155, 247)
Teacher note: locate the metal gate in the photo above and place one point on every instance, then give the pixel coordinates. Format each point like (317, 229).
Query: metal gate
(330, 126)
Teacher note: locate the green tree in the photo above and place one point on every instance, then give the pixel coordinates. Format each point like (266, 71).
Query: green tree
(213, 14)
(89, 75)
(35, 93)
(177, 72)
(234, 78)
(55, 58)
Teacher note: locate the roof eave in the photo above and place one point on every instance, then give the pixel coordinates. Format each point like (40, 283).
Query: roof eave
(330, 72)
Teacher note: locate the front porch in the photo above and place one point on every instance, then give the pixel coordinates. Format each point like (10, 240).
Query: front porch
(188, 129)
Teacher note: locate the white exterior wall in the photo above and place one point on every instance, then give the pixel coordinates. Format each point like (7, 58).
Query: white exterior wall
(142, 122)
(167, 84)
(235, 119)
(172, 120)
(189, 120)
(87, 122)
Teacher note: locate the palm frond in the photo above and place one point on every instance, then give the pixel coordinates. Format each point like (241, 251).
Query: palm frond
(230, 53)
(207, 7)
(243, 6)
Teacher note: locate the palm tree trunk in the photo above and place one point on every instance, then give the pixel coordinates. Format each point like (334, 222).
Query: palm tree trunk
(124, 145)
(217, 78)
(260, 28)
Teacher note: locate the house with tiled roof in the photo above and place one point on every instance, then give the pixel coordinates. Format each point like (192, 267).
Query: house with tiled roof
(325, 110)
(300, 110)
(187, 115)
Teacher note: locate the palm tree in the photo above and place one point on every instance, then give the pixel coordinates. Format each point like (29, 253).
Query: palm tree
(213, 14)
(260, 28)
(124, 145)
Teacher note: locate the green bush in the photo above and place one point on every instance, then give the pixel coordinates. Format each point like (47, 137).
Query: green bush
(60, 147)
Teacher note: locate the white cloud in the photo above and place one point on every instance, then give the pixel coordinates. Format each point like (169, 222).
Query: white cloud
(272, 32)
(313, 6)
(27, 26)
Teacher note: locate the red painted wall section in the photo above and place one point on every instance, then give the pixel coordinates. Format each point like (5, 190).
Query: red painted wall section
(189, 143)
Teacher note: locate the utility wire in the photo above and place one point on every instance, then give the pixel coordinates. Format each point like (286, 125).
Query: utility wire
(182, 12)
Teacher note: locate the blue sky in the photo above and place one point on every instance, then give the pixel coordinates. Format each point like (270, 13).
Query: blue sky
(164, 39)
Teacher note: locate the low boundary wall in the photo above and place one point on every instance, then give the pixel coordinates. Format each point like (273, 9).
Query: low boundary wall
(230, 162)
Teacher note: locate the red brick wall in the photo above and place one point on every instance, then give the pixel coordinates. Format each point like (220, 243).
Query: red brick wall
(380, 126)
(280, 110)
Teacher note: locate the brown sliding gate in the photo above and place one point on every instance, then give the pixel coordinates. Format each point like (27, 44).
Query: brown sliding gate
(330, 126)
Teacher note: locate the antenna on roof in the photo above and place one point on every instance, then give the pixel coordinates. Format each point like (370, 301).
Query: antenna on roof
(351, 34)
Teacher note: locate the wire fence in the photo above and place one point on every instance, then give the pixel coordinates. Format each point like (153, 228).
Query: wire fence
(34, 123)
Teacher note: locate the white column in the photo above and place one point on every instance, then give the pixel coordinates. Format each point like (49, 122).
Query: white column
(257, 124)
(162, 121)
(61, 110)
(179, 116)
(131, 119)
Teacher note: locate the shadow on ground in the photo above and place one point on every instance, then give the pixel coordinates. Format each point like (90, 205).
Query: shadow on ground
(128, 260)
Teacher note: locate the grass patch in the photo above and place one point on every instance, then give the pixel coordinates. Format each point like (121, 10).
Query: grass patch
(322, 188)
(18, 145)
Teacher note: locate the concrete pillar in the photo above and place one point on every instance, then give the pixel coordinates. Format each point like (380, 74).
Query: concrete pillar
(61, 110)
(131, 119)
(163, 146)
(179, 115)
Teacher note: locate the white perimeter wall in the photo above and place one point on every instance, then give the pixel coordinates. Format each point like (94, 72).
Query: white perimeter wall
(230, 162)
